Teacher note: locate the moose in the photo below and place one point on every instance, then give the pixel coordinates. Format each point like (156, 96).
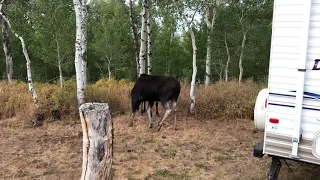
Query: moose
(152, 88)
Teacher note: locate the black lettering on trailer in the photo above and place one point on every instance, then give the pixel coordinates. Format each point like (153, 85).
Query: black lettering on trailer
(316, 63)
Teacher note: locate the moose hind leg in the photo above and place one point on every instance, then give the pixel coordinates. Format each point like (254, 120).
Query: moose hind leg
(131, 119)
(174, 107)
(168, 110)
(149, 114)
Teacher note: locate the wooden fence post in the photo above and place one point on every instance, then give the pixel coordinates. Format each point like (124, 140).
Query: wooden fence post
(97, 127)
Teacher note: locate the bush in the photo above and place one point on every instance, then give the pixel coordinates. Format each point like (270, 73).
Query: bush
(221, 100)
(227, 100)
(115, 93)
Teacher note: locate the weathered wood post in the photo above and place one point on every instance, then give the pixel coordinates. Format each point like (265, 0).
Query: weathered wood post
(97, 127)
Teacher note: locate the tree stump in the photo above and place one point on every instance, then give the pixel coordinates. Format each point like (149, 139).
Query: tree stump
(97, 127)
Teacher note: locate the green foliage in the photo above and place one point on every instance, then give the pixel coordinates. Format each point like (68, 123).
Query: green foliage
(48, 28)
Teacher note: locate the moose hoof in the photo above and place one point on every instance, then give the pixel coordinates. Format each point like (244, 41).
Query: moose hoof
(159, 127)
(150, 125)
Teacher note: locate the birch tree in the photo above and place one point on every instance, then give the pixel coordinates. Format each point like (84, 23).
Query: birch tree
(80, 48)
(84, 40)
(190, 25)
(194, 73)
(59, 62)
(7, 46)
(210, 16)
(226, 69)
(244, 38)
(26, 55)
(134, 36)
(149, 47)
(143, 39)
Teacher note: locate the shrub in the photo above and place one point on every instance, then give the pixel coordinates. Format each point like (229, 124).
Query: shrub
(221, 100)
(227, 100)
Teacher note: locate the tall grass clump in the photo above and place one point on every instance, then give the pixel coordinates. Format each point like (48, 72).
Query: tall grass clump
(227, 100)
(15, 99)
(115, 93)
(221, 100)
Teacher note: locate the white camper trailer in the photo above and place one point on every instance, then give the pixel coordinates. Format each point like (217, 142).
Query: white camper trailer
(288, 111)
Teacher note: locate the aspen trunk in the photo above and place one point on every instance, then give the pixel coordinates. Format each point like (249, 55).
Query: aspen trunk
(84, 41)
(97, 127)
(241, 56)
(208, 60)
(143, 44)
(25, 53)
(7, 47)
(134, 36)
(149, 42)
(30, 82)
(194, 73)
(210, 24)
(79, 46)
(226, 69)
(7, 51)
(109, 68)
(59, 62)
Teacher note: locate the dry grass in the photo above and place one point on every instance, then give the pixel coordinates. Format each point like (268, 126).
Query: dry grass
(48, 152)
(222, 100)
(216, 144)
(198, 150)
(207, 149)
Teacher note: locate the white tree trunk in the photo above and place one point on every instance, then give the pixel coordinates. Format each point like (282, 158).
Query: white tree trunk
(241, 56)
(60, 73)
(143, 44)
(194, 73)
(226, 69)
(210, 24)
(149, 42)
(7, 50)
(25, 52)
(59, 62)
(134, 36)
(79, 46)
(97, 128)
(84, 41)
(30, 82)
(208, 61)
(109, 68)
(219, 70)
(7, 47)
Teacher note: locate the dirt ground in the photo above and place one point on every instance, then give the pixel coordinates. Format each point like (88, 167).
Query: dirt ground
(199, 149)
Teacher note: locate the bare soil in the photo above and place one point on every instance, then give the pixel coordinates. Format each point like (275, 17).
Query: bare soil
(198, 149)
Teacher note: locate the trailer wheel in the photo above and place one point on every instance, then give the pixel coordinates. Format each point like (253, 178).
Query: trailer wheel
(274, 169)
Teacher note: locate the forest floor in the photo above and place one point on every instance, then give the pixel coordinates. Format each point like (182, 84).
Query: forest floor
(198, 149)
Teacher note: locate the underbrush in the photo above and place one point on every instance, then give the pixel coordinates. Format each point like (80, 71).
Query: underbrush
(221, 100)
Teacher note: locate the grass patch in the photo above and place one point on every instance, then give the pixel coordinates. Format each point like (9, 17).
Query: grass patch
(166, 151)
(220, 100)
(200, 165)
(166, 174)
